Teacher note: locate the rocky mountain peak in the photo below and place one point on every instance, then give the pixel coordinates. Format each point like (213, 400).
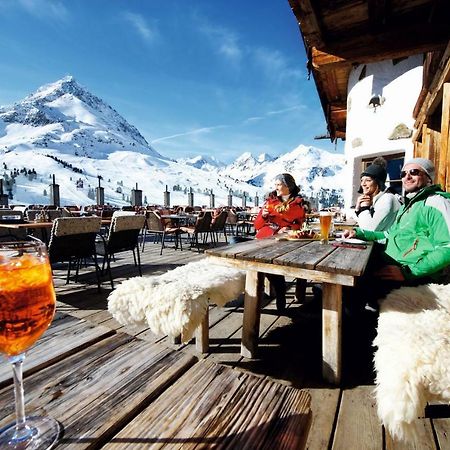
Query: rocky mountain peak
(67, 117)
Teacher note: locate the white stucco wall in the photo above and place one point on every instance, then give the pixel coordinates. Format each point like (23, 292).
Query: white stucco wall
(368, 129)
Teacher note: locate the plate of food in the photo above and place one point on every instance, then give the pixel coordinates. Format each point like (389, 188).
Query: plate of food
(299, 235)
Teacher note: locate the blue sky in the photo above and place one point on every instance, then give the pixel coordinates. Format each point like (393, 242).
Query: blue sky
(213, 77)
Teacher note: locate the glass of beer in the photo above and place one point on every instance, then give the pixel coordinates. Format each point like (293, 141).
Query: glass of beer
(27, 307)
(325, 226)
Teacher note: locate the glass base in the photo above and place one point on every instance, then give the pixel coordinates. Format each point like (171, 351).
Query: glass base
(41, 433)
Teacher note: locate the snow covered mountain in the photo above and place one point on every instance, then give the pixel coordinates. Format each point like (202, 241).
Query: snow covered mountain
(317, 172)
(203, 162)
(64, 130)
(246, 166)
(66, 117)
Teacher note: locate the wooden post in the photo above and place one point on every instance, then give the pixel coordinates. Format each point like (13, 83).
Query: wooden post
(3, 197)
(54, 193)
(244, 200)
(191, 198)
(100, 193)
(444, 163)
(230, 199)
(166, 197)
(136, 196)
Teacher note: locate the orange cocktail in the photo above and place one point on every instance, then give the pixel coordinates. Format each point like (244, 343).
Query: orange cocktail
(27, 301)
(27, 306)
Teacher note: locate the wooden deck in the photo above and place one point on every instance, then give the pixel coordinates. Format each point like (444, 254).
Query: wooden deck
(289, 353)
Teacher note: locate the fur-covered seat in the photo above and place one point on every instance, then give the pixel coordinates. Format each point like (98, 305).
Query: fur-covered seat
(412, 361)
(176, 302)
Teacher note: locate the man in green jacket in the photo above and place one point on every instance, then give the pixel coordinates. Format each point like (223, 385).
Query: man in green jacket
(417, 245)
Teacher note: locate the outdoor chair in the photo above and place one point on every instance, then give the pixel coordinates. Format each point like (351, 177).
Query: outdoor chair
(231, 221)
(244, 223)
(31, 214)
(123, 236)
(9, 216)
(218, 226)
(53, 214)
(72, 240)
(66, 212)
(156, 226)
(202, 228)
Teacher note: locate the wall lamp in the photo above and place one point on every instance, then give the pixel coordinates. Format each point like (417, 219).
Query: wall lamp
(375, 102)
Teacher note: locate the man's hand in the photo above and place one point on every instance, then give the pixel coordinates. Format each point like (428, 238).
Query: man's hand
(390, 273)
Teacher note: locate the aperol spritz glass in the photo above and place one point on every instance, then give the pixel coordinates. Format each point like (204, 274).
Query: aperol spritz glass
(27, 307)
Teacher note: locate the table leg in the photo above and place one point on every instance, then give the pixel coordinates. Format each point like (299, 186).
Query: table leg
(332, 332)
(254, 289)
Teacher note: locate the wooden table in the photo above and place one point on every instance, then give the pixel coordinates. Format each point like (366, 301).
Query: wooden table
(334, 267)
(181, 219)
(24, 225)
(113, 391)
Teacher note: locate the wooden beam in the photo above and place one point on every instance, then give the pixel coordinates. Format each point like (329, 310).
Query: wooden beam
(322, 61)
(442, 76)
(308, 21)
(377, 14)
(444, 162)
(366, 48)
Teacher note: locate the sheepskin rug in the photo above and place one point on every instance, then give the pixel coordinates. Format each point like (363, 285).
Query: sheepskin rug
(412, 361)
(175, 302)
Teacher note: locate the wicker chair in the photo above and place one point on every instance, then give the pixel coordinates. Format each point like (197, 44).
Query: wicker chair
(72, 240)
(123, 236)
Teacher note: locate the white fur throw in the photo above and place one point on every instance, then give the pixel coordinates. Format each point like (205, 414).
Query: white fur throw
(412, 361)
(175, 302)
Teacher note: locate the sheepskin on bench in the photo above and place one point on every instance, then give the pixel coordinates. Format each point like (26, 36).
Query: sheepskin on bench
(176, 302)
(412, 361)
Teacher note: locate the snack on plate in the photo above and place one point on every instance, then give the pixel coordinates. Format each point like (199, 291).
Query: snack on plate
(302, 234)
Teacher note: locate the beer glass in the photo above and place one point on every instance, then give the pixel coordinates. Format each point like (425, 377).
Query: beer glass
(325, 226)
(27, 306)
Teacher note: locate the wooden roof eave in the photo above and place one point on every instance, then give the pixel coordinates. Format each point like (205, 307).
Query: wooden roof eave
(434, 94)
(331, 46)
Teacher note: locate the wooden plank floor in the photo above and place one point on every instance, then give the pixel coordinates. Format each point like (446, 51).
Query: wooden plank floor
(289, 353)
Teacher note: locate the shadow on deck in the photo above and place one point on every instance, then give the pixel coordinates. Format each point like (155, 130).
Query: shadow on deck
(289, 353)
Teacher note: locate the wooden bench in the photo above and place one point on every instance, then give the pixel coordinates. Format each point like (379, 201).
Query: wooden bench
(176, 303)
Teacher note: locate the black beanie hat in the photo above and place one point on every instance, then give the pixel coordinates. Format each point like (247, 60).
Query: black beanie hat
(377, 171)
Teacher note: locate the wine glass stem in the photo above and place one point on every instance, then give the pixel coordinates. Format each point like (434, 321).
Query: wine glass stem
(22, 430)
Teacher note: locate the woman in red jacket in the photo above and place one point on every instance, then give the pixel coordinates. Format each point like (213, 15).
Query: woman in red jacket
(283, 210)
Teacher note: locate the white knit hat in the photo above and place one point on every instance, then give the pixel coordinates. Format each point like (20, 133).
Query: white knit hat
(425, 164)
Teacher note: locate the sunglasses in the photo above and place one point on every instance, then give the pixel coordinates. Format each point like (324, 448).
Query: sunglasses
(413, 172)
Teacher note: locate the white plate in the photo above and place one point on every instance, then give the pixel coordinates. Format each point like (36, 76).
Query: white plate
(352, 241)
